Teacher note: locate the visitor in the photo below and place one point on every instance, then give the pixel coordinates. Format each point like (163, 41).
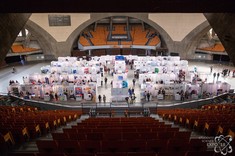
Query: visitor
(163, 93)
(148, 96)
(56, 97)
(13, 70)
(214, 75)
(211, 67)
(105, 80)
(133, 82)
(104, 98)
(129, 91)
(218, 74)
(99, 97)
(127, 100)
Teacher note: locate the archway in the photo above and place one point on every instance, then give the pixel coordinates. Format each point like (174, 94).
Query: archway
(97, 16)
(45, 40)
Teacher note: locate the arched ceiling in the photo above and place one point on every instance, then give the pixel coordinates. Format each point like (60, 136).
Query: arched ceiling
(148, 6)
(223, 23)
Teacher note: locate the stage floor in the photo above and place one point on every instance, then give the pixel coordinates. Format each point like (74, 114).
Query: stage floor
(24, 70)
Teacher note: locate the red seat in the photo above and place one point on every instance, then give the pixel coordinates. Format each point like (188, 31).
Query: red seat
(69, 146)
(47, 146)
(178, 145)
(113, 146)
(197, 145)
(156, 145)
(141, 154)
(59, 136)
(200, 153)
(90, 146)
(135, 145)
(113, 136)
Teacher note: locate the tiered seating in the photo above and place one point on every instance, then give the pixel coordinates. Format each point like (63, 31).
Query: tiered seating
(84, 41)
(218, 47)
(138, 35)
(119, 29)
(211, 120)
(21, 49)
(121, 136)
(21, 123)
(99, 35)
(154, 41)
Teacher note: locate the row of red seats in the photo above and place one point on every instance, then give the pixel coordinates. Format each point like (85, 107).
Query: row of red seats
(94, 146)
(207, 121)
(21, 123)
(167, 153)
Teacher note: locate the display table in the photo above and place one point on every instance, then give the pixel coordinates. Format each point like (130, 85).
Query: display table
(63, 98)
(78, 97)
(177, 97)
(160, 96)
(194, 96)
(46, 98)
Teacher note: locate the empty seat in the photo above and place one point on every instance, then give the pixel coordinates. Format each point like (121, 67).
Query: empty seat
(113, 146)
(113, 136)
(59, 136)
(178, 145)
(111, 154)
(90, 146)
(69, 146)
(47, 146)
(200, 153)
(156, 145)
(94, 136)
(197, 145)
(141, 154)
(135, 145)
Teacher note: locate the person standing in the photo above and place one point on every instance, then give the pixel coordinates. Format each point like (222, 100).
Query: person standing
(211, 67)
(133, 82)
(214, 75)
(13, 70)
(104, 98)
(148, 96)
(99, 97)
(218, 74)
(105, 80)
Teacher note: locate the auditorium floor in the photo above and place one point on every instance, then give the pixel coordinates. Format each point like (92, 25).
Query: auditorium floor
(24, 70)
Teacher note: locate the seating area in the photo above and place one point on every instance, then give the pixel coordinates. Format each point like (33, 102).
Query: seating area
(218, 47)
(140, 136)
(211, 120)
(20, 124)
(99, 36)
(21, 49)
(119, 29)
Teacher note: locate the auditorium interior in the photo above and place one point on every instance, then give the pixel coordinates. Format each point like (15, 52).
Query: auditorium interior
(130, 79)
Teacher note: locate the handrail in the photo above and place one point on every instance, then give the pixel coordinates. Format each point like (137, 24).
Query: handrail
(96, 105)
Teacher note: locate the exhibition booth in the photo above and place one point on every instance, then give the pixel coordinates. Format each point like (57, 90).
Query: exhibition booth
(164, 77)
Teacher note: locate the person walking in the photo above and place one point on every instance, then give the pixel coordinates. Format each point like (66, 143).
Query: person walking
(104, 98)
(214, 75)
(99, 97)
(13, 70)
(211, 67)
(148, 96)
(218, 74)
(105, 80)
(133, 82)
